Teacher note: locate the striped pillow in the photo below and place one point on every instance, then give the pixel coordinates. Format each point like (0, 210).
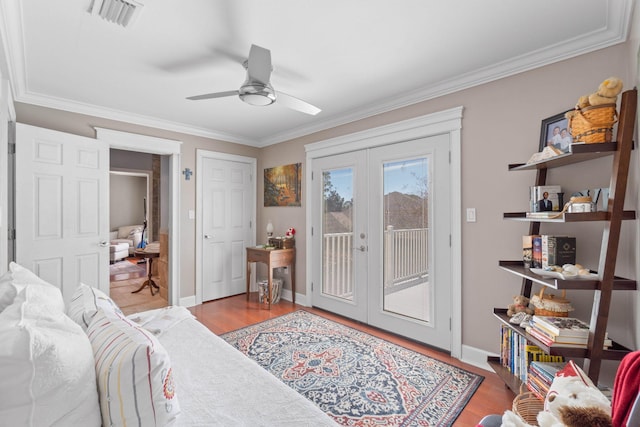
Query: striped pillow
(85, 302)
(133, 372)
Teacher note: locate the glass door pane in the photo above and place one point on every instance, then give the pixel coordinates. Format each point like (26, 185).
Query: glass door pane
(337, 233)
(406, 236)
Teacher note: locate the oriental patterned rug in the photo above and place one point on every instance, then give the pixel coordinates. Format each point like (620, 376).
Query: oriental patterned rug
(356, 378)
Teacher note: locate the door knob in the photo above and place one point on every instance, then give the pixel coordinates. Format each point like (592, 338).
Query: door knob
(208, 236)
(103, 244)
(361, 248)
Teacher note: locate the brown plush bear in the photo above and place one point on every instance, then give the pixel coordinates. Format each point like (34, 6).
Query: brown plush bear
(607, 93)
(520, 304)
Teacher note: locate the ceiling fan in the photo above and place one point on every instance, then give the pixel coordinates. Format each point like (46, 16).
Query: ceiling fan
(256, 89)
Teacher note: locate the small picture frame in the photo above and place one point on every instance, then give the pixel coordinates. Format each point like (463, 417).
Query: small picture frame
(555, 132)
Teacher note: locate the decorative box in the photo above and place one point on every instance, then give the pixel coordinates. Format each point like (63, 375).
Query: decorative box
(282, 243)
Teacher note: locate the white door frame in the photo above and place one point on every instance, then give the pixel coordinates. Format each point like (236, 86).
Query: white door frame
(447, 121)
(200, 156)
(152, 145)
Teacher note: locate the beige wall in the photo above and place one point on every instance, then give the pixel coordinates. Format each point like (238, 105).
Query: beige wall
(501, 125)
(126, 200)
(83, 125)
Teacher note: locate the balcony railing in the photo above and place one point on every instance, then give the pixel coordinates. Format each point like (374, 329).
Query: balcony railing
(405, 260)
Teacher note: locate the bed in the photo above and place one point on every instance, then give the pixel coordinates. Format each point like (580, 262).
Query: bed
(218, 385)
(85, 363)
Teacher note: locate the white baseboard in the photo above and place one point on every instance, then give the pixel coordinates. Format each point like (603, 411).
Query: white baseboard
(476, 357)
(188, 301)
(300, 299)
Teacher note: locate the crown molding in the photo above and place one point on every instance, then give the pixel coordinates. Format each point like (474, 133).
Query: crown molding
(616, 30)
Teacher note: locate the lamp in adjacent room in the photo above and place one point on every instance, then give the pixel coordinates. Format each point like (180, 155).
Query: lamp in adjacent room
(269, 229)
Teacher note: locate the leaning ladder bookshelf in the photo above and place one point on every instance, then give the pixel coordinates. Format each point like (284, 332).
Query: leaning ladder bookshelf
(607, 281)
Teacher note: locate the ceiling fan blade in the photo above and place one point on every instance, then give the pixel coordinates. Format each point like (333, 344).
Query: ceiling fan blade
(213, 95)
(259, 64)
(296, 104)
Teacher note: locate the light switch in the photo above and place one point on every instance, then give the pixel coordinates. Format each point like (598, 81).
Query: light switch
(192, 214)
(471, 214)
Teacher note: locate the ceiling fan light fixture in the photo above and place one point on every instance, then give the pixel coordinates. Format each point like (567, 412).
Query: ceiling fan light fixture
(121, 12)
(257, 94)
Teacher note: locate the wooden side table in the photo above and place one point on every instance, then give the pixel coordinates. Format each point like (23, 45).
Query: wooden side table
(149, 282)
(273, 258)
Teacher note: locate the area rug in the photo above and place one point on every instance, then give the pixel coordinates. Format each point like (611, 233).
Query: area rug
(356, 378)
(125, 270)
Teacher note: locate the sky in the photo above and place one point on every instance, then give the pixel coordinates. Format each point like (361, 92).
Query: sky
(401, 176)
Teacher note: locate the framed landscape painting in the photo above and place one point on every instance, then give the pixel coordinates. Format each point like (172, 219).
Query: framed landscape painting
(283, 185)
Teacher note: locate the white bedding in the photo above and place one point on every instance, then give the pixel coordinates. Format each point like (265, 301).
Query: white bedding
(219, 386)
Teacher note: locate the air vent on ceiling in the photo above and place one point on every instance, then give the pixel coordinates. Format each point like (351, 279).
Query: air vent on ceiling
(121, 12)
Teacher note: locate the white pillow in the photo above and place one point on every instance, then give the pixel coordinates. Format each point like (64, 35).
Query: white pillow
(128, 231)
(46, 366)
(17, 277)
(85, 303)
(133, 371)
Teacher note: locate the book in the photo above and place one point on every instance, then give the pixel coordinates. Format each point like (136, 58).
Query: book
(544, 215)
(527, 250)
(556, 338)
(544, 198)
(536, 253)
(546, 370)
(563, 250)
(565, 326)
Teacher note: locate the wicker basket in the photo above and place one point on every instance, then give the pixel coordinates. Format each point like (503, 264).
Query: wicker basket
(551, 305)
(527, 405)
(593, 124)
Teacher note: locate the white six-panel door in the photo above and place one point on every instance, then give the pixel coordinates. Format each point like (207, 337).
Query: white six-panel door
(227, 206)
(62, 196)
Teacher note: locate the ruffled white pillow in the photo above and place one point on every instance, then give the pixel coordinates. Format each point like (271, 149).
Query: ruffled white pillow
(17, 277)
(46, 366)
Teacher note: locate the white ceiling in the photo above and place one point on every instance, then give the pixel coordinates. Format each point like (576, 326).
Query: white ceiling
(351, 58)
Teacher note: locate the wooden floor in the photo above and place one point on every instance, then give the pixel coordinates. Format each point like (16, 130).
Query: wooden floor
(232, 313)
(121, 291)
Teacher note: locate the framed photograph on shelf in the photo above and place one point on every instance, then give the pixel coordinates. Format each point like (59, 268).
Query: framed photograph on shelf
(554, 132)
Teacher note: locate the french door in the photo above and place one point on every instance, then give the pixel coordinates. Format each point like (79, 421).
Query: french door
(381, 226)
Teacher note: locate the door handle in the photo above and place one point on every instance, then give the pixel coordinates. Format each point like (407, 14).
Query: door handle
(361, 248)
(208, 236)
(103, 244)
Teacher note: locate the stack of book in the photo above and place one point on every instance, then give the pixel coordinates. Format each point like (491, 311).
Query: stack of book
(518, 353)
(561, 332)
(541, 375)
(546, 250)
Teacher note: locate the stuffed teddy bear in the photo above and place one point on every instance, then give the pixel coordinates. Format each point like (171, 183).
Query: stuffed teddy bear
(520, 304)
(607, 93)
(572, 401)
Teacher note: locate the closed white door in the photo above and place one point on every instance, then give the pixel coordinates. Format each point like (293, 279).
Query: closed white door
(227, 206)
(381, 237)
(62, 201)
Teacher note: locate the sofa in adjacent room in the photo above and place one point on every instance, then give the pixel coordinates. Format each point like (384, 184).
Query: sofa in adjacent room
(129, 234)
